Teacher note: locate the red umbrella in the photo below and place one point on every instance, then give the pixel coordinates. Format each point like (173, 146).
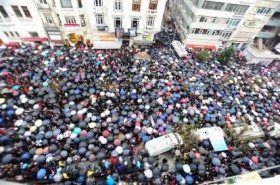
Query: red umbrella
(255, 159)
(117, 142)
(5, 73)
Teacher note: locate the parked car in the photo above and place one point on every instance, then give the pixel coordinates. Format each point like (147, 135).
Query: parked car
(163, 144)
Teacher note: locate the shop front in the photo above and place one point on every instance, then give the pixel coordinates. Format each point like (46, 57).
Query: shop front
(38, 40)
(201, 46)
(106, 42)
(55, 36)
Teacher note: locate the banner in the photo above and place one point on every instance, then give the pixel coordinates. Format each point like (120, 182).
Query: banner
(119, 32)
(132, 32)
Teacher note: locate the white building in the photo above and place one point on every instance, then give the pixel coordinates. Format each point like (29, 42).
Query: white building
(143, 15)
(20, 22)
(261, 22)
(96, 21)
(209, 24)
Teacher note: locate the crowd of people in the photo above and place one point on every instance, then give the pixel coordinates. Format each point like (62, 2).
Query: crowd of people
(82, 116)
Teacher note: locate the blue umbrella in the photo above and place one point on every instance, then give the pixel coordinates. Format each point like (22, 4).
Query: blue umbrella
(81, 179)
(110, 181)
(189, 179)
(45, 84)
(41, 174)
(16, 87)
(10, 112)
(25, 156)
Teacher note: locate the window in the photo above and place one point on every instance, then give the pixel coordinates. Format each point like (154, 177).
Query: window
(118, 5)
(217, 32)
(6, 34)
(26, 11)
(43, 1)
(98, 3)
(33, 34)
(99, 19)
(49, 19)
(136, 5)
(226, 34)
(223, 21)
(203, 19)
(80, 4)
(82, 19)
(238, 9)
(207, 19)
(135, 22)
(17, 11)
(153, 4)
(59, 20)
(233, 22)
(3, 12)
(17, 34)
(118, 22)
(150, 21)
(204, 31)
(264, 11)
(12, 34)
(212, 5)
(70, 19)
(66, 3)
(251, 23)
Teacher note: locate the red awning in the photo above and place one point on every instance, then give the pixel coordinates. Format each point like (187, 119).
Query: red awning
(12, 44)
(201, 46)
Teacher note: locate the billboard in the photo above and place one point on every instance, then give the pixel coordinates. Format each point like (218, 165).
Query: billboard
(119, 32)
(132, 32)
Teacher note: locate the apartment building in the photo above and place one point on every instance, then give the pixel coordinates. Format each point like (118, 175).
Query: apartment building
(20, 22)
(261, 22)
(116, 22)
(209, 24)
(103, 23)
(265, 20)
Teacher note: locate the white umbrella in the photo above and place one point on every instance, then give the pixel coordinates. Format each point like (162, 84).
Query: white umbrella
(19, 111)
(148, 173)
(38, 123)
(186, 168)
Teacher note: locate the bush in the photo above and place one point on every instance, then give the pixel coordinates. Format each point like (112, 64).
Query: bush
(226, 56)
(203, 55)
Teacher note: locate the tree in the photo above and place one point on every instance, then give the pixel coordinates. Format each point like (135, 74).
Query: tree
(226, 56)
(203, 55)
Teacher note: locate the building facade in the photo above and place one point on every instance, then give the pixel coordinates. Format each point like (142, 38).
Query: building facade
(209, 24)
(20, 22)
(102, 23)
(261, 22)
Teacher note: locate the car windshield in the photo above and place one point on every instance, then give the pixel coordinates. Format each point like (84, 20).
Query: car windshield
(176, 136)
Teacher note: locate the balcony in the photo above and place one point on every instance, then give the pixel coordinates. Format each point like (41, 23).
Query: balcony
(273, 22)
(42, 6)
(266, 34)
(152, 12)
(98, 9)
(6, 21)
(149, 29)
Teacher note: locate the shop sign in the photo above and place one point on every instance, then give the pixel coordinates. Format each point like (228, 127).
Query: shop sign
(102, 28)
(71, 25)
(34, 39)
(107, 38)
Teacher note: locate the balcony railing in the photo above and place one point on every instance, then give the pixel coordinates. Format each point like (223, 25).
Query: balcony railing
(98, 9)
(152, 12)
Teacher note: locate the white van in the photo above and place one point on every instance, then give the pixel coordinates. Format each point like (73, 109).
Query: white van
(163, 144)
(179, 48)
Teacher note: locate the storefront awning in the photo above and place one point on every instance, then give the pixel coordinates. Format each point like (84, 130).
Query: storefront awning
(107, 44)
(201, 46)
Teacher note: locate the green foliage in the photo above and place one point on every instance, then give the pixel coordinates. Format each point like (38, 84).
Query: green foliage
(203, 55)
(226, 56)
(190, 140)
